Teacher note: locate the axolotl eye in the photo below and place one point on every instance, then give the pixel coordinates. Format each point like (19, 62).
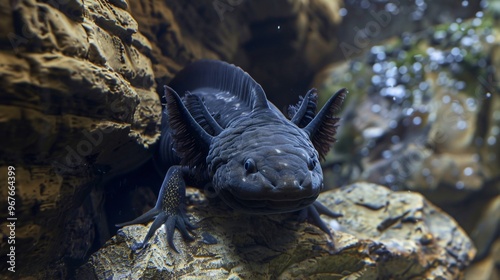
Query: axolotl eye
(250, 166)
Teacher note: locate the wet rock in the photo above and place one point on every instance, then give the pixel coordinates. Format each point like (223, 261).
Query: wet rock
(382, 234)
(77, 92)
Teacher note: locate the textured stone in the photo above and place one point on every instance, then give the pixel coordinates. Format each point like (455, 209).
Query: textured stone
(78, 98)
(382, 234)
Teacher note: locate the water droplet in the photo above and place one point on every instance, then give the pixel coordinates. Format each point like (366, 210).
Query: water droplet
(476, 22)
(372, 132)
(392, 8)
(389, 178)
(364, 152)
(460, 85)
(408, 111)
(395, 139)
(417, 66)
(460, 185)
(457, 108)
(471, 103)
(390, 82)
(446, 99)
(376, 108)
(279, 27)
(491, 140)
(423, 86)
(376, 79)
(387, 154)
(467, 41)
(393, 124)
(435, 55)
(403, 70)
(479, 14)
(461, 124)
(468, 171)
(377, 67)
(392, 71)
(396, 92)
(381, 56)
(453, 27)
(490, 39)
(343, 12)
(488, 95)
(417, 15)
(417, 120)
(419, 3)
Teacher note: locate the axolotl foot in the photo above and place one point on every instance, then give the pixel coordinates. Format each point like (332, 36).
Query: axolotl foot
(169, 211)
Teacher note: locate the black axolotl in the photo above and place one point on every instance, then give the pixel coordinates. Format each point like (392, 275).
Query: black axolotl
(223, 131)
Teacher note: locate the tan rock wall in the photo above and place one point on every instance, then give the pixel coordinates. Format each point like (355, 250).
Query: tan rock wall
(78, 98)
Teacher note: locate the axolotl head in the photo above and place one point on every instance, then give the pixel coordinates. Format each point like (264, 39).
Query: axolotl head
(262, 164)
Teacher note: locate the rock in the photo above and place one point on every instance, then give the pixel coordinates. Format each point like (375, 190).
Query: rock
(78, 98)
(381, 234)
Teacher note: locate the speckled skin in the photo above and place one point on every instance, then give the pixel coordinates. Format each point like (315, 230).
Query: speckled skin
(225, 132)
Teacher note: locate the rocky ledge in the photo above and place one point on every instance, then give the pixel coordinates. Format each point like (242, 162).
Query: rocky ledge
(382, 235)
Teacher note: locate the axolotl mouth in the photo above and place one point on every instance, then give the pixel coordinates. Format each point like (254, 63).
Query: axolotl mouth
(265, 205)
(271, 190)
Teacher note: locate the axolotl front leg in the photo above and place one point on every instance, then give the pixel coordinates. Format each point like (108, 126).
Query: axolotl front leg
(169, 209)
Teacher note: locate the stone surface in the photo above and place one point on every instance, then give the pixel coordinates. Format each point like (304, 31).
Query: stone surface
(382, 234)
(77, 99)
